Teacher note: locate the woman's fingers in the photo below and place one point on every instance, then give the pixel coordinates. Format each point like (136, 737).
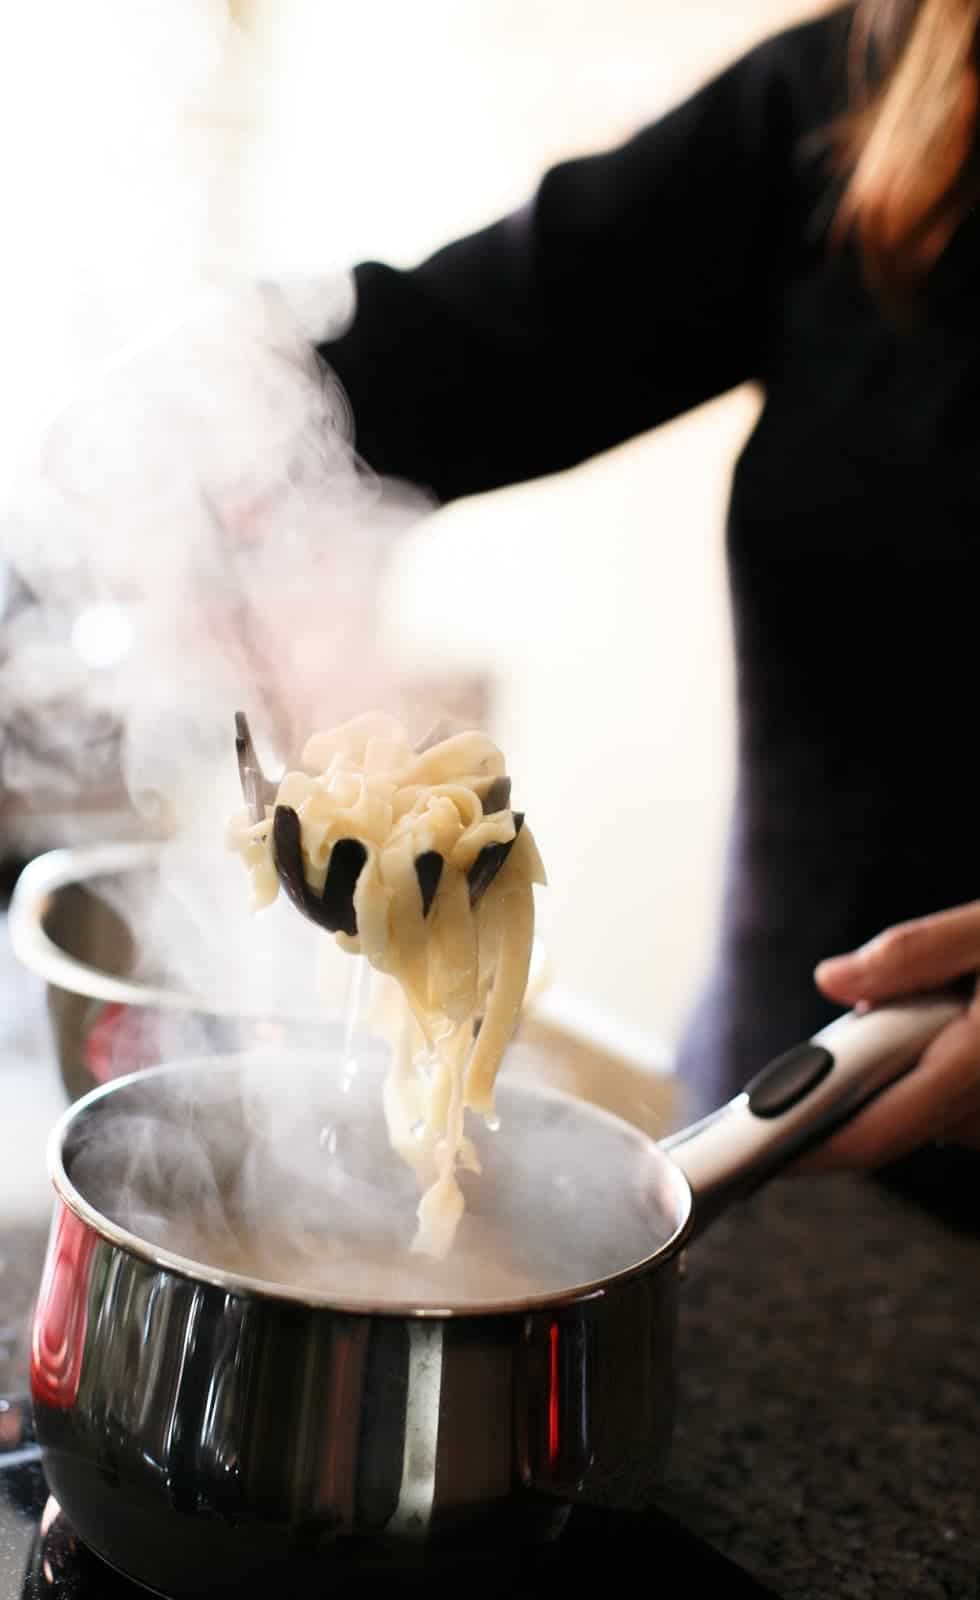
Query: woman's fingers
(939, 1100)
(914, 955)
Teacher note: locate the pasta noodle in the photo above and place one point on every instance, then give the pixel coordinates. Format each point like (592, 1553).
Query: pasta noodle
(461, 962)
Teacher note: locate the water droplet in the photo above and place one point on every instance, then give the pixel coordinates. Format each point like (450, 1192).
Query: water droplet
(328, 1139)
(417, 1130)
(492, 1124)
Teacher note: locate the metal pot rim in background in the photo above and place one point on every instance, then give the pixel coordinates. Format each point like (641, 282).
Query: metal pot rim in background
(42, 879)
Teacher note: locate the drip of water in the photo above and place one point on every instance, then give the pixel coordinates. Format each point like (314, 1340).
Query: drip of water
(357, 999)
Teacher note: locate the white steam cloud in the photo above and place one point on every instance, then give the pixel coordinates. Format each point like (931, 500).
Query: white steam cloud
(187, 527)
(190, 533)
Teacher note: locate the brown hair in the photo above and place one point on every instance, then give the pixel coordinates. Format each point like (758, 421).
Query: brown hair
(908, 144)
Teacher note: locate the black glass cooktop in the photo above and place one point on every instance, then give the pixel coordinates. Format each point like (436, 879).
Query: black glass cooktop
(41, 1558)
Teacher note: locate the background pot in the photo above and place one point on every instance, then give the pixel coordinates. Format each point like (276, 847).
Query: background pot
(66, 927)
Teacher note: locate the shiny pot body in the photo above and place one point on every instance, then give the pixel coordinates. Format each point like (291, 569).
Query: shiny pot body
(209, 1442)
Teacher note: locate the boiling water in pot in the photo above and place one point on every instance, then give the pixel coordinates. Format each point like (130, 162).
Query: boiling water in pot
(281, 1172)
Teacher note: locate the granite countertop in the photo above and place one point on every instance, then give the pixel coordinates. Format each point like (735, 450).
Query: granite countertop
(827, 1436)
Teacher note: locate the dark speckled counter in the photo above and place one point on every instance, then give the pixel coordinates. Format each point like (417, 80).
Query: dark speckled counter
(827, 1436)
(829, 1430)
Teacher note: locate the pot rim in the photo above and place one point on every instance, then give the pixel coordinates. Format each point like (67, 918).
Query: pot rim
(59, 869)
(247, 1287)
(33, 946)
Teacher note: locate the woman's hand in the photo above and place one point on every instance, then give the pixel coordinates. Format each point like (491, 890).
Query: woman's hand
(940, 1100)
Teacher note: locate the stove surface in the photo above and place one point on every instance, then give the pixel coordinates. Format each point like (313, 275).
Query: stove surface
(41, 1558)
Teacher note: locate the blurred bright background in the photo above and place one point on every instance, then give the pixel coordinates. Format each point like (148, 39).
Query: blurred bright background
(594, 604)
(596, 601)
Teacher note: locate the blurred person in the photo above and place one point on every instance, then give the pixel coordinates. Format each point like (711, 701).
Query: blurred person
(805, 222)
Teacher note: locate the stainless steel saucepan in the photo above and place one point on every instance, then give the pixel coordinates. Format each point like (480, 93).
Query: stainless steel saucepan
(241, 1377)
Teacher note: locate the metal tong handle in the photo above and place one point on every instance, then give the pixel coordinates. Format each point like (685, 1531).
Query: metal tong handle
(258, 790)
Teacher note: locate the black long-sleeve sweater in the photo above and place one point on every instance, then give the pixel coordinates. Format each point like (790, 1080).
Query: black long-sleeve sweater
(639, 283)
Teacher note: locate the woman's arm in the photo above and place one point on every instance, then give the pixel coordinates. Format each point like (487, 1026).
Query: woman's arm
(633, 287)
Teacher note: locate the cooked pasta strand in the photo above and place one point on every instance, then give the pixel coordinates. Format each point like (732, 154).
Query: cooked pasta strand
(457, 964)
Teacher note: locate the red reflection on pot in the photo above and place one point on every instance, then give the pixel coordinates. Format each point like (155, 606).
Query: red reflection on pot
(554, 1395)
(121, 1039)
(58, 1334)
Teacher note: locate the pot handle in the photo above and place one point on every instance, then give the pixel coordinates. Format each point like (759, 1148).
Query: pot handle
(802, 1097)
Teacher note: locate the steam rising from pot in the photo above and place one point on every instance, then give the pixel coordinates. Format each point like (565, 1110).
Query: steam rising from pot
(192, 533)
(270, 1193)
(189, 528)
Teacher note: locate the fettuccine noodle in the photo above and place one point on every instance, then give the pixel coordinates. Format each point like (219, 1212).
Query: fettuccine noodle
(464, 963)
